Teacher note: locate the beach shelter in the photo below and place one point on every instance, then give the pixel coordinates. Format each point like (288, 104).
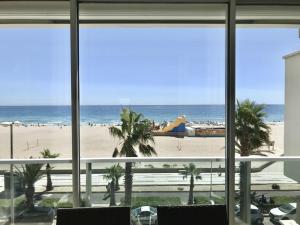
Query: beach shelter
(6, 124)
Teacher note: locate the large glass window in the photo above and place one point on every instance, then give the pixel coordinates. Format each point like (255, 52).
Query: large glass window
(35, 93)
(152, 83)
(174, 77)
(266, 85)
(35, 122)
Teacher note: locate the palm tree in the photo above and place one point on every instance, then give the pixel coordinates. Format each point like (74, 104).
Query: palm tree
(30, 173)
(134, 134)
(46, 154)
(251, 133)
(193, 172)
(112, 175)
(118, 174)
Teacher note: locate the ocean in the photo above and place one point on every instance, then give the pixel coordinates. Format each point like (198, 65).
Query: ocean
(110, 114)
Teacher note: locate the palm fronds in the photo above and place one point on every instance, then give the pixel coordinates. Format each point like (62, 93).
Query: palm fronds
(135, 135)
(251, 130)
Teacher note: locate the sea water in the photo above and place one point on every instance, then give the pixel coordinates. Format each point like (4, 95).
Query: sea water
(110, 114)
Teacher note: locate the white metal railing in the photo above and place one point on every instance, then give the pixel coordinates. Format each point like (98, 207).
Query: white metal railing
(90, 161)
(151, 159)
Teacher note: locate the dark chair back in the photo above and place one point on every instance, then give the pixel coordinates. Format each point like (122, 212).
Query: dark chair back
(94, 216)
(192, 215)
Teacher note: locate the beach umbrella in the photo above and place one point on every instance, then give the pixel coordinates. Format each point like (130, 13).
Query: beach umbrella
(17, 123)
(6, 124)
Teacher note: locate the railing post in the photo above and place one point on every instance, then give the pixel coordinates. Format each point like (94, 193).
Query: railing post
(12, 195)
(298, 209)
(210, 188)
(12, 184)
(88, 185)
(245, 190)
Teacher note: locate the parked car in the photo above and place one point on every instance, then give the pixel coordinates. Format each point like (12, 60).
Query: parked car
(256, 216)
(144, 215)
(283, 212)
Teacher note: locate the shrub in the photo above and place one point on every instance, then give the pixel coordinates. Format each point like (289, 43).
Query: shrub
(65, 205)
(49, 202)
(275, 187)
(153, 201)
(204, 200)
(279, 200)
(55, 203)
(19, 205)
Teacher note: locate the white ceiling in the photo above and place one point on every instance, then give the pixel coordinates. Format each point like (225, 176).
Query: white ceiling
(59, 11)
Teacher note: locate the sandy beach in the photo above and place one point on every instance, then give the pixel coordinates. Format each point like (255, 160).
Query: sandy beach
(97, 142)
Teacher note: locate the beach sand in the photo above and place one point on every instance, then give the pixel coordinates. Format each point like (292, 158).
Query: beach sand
(97, 142)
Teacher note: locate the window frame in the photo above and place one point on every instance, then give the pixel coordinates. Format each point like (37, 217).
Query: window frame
(70, 16)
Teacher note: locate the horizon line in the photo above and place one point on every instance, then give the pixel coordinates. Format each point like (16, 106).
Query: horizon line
(221, 104)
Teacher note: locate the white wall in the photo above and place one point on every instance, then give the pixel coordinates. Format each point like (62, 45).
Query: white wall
(292, 114)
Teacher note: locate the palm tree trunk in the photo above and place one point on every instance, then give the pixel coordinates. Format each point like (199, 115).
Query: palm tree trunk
(49, 186)
(117, 184)
(112, 200)
(245, 187)
(29, 192)
(191, 192)
(128, 183)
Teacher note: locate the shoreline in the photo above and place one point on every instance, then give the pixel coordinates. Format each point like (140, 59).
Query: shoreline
(97, 142)
(61, 123)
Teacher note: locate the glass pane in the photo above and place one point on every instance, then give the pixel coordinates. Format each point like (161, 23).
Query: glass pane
(173, 76)
(267, 117)
(155, 183)
(35, 121)
(36, 90)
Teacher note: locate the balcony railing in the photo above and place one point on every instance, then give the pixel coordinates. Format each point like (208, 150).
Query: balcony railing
(156, 181)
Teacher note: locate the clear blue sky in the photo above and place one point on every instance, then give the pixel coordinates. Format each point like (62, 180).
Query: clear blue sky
(142, 65)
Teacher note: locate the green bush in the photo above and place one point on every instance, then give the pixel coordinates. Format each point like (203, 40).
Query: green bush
(153, 201)
(279, 200)
(220, 200)
(204, 200)
(49, 202)
(65, 205)
(201, 200)
(5, 205)
(19, 201)
(276, 201)
(54, 203)
(166, 166)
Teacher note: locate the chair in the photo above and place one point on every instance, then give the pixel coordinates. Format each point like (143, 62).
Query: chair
(94, 216)
(192, 215)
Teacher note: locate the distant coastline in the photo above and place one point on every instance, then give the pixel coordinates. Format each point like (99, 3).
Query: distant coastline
(109, 114)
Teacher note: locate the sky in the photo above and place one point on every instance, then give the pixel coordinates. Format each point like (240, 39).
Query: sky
(142, 66)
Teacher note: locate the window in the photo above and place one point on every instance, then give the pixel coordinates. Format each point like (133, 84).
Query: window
(167, 62)
(262, 88)
(172, 74)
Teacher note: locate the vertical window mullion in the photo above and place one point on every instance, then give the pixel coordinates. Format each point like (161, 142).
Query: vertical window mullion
(74, 31)
(230, 109)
